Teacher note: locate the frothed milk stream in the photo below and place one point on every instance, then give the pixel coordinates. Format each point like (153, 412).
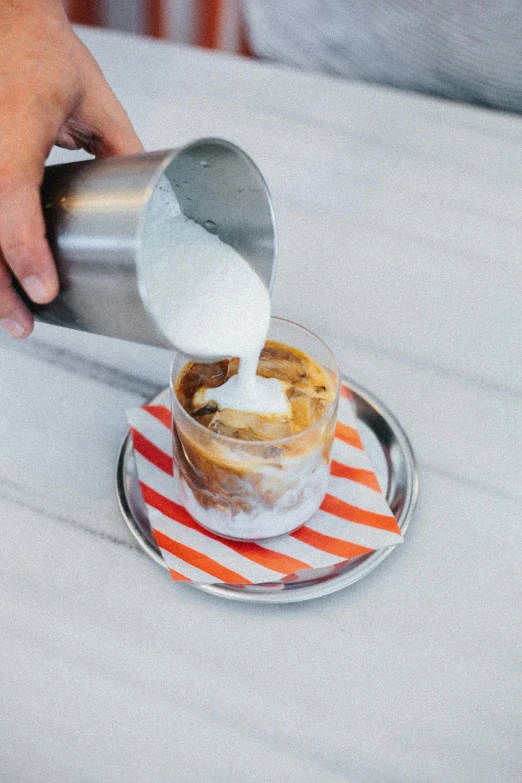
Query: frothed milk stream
(208, 300)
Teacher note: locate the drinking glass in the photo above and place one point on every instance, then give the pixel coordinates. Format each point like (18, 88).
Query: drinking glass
(251, 489)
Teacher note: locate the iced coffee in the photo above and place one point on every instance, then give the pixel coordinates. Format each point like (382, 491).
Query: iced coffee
(251, 475)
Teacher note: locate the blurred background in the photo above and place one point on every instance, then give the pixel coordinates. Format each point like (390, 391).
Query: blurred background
(462, 50)
(215, 24)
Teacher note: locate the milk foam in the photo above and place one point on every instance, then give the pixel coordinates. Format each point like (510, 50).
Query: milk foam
(266, 396)
(208, 301)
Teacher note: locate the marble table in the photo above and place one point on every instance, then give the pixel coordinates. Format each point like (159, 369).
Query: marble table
(400, 243)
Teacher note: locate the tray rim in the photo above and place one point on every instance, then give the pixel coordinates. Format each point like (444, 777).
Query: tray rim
(289, 592)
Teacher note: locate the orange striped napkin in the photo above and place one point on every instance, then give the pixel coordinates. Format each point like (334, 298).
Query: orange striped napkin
(354, 518)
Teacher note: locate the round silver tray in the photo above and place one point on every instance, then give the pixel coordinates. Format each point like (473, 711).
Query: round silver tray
(392, 459)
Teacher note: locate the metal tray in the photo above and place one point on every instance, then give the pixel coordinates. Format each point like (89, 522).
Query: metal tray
(392, 459)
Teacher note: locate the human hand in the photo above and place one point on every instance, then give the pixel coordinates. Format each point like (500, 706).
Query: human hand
(51, 92)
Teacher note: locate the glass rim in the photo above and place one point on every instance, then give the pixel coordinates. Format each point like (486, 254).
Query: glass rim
(256, 443)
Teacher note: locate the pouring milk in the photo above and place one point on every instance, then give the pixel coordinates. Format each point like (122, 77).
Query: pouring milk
(209, 302)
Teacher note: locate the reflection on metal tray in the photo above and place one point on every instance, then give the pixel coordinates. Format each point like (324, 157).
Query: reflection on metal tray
(393, 462)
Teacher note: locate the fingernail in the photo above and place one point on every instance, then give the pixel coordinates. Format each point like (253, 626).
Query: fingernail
(36, 289)
(12, 327)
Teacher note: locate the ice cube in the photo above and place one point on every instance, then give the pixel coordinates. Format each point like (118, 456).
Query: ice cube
(278, 362)
(209, 407)
(249, 426)
(301, 412)
(319, 407)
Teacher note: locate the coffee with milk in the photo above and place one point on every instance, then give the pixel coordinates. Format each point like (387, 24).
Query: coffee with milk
(234, 387)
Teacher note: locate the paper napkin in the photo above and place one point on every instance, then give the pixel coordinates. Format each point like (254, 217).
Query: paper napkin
(354, 518)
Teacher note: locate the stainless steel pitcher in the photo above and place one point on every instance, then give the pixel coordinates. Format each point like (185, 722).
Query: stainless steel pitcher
(95, 211)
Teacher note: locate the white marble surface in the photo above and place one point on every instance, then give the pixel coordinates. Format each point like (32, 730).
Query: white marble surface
(400, 242)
